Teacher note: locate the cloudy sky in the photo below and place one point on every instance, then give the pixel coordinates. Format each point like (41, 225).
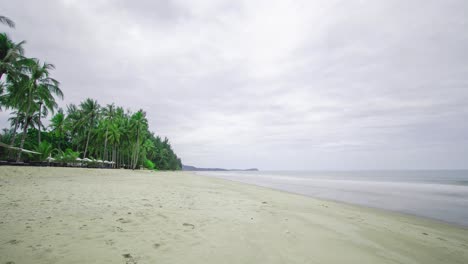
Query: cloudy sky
(269, 84)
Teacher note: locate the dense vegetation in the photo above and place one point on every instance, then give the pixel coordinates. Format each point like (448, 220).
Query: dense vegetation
(87, 130)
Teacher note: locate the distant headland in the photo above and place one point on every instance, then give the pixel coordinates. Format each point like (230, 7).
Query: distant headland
(193, 168)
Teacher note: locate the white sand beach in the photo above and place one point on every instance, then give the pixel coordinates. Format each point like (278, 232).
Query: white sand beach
(71, 215)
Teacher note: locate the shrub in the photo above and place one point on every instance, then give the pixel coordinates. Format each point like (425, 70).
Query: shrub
(148, 164)
(68, 156)
(45, 148)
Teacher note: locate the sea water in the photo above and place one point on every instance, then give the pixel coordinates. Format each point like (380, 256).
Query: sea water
(436, 194)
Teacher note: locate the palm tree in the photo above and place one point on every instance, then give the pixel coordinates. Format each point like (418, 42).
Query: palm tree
(58, 126)
(45, 148)
(14, 123)
(14, 99)
(89, 113)
(139, 125)
(123, 126)
(114, 140)
(108, 114)
(5, 20)
(73, 126)
(10, 54)
(41, 87)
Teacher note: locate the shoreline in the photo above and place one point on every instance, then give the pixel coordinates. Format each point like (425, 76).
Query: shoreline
(58, 215)
(439, 200)
(358, 206)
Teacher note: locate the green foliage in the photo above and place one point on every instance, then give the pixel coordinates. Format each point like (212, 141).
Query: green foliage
(45, 148)
(148, 164)
(109, 133)
(67, 156)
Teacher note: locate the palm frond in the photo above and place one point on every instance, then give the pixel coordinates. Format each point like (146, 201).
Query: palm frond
(5, 20)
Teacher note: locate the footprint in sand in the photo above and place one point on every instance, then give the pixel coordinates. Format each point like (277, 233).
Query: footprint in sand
(14, 242)
(156, 245)
(189, 225)
(118, 229)
(123, 221)
(129, 259)
(161, 215)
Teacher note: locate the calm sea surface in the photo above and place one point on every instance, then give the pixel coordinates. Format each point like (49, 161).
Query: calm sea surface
(441, 194)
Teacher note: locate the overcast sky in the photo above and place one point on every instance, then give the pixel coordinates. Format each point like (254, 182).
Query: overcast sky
(269, 84)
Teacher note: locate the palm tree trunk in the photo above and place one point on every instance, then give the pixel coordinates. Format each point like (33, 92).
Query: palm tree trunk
(87, 142)
(25, 129)
(135, 153)
(23, 137)
(39, 134)
(113, 156)
(13, 137)
(129, 163)
(117, 157)
(39, 125)
(105, 145)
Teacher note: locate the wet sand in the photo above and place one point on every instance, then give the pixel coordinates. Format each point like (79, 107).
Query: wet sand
(70, 215)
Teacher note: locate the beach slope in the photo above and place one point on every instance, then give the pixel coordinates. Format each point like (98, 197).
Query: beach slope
(70, 215)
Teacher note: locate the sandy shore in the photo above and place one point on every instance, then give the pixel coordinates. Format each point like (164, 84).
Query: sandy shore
(66, 215)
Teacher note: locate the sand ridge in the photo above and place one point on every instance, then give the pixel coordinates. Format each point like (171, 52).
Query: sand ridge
(71, 215)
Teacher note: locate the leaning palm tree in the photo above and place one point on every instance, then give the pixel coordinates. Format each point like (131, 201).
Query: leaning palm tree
(5, 20)
(41, 87)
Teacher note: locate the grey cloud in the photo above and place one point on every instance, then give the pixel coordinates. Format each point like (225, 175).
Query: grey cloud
(270, 84)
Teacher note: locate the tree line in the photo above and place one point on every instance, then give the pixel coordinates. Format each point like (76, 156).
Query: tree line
(86, 130)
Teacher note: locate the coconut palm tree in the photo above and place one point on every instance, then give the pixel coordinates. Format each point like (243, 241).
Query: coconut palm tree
(58, 126)
(123, 126)
(15, 123)
(19, 119)
(41, 87)
(89, 112)
(76, 131)
(114, 140)
(10, 54)
(5, 20)
(108, 114)
(139, 125)
(14, 99)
